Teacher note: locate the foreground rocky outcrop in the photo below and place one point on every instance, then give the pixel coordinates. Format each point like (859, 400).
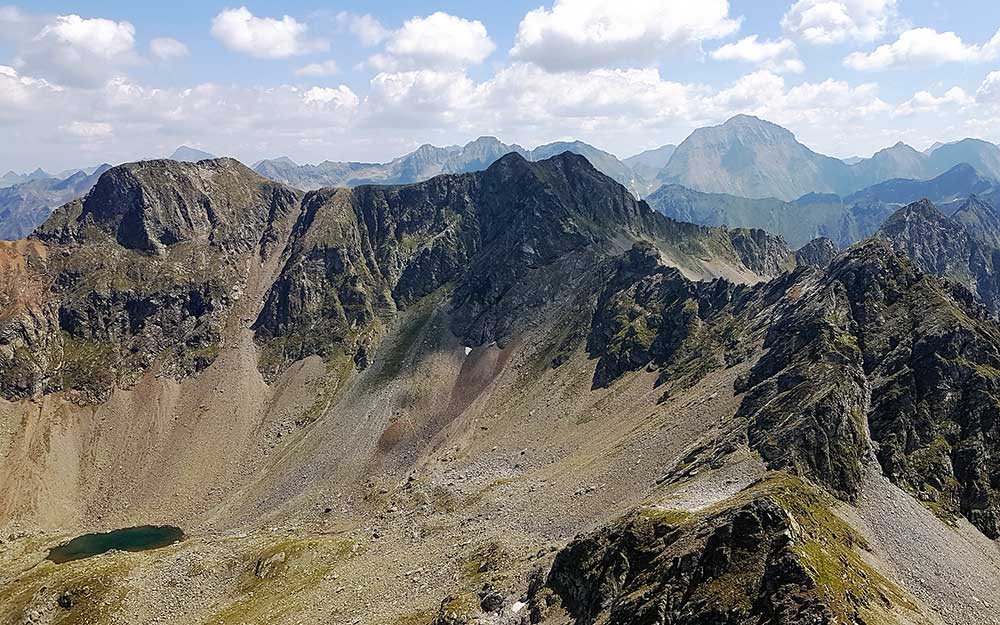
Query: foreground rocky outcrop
(776, 553)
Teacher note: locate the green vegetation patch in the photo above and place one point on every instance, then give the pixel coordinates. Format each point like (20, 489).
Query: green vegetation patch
(829, 549)
(271, 585)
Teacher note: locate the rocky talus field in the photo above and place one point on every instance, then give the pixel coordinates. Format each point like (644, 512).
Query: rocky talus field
(503, 397)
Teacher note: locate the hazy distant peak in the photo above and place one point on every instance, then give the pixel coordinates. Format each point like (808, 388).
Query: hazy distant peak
(191, 155)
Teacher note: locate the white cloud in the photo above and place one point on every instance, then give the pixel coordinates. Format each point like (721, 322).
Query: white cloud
(263, 37)
(88, 130)
(438, 41)
(779, 55)
(585, 34)
(326, 68)
(19, 94)
(367, 28)
(97, 36)
(824, 22)
(766, 95)
(924, 46)
(989, 90)
(70, 49)
(926, 102)
(336, 98)
(167, 49)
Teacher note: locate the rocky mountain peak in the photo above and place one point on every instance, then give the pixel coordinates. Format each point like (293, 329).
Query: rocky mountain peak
(151, 204)
(747, 128)
(819, 252)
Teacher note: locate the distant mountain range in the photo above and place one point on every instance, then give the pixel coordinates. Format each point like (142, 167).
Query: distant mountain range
(26, 200)
(428, 161)
(745, 172)
(844, 219)
(752, 158)
(23, 206)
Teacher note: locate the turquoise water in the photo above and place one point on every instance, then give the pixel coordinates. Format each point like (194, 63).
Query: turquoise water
(129, 539)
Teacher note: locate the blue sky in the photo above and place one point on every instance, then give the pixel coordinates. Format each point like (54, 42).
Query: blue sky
(352, 80)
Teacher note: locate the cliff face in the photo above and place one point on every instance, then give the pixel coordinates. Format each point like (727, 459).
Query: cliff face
(506, 241)
(153, 262)
(147, 267)
(957, 248)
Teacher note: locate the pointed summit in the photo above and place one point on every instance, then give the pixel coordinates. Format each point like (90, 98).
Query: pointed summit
(190, 155)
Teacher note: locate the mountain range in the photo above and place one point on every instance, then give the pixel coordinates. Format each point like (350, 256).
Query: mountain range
(844, 219)
(752, 158)
(745, 158)
(428, 161)
(506, 396)
(25, 205)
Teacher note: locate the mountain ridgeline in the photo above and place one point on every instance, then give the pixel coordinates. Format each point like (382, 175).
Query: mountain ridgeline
(845, 220)
(428, 161)
(752, 158)
(515, 395)
(506, 239)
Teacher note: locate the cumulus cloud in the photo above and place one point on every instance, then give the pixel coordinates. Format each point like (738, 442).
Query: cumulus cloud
(825, 22)
(326, 68)
(69, 49)
(585, 34)
(989, 90)
(438, 41)
(367, 28)
(766, 94)
(336, 98)
(924, 46)
(264, 37)
(926, 102)
(778, 55)
(167, 49)
(19, 94)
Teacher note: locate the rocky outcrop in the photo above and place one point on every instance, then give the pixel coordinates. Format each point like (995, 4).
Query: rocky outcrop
(819, 252)
(881, 355)
(509, 240)
(147, 267)
(648, 312)
(774, 554)
(947, 246)
(867, 356)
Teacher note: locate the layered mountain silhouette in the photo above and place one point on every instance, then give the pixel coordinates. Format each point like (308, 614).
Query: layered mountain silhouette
(844, 219)
(501, 396)
(428, 161)
(25, 205)
(752, 158)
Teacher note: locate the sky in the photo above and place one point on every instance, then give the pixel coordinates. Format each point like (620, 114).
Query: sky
(114, 81)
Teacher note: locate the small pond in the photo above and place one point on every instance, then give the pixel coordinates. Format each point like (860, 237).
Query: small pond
(129, 539)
